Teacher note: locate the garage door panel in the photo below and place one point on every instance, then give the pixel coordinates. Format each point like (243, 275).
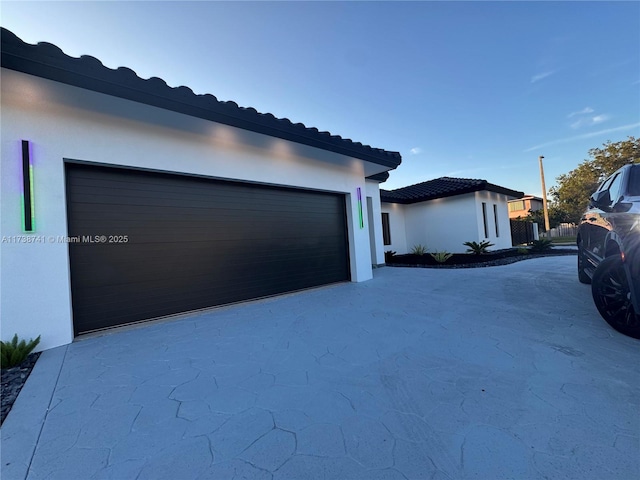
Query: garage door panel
(162, 292)
(227, 242)
(190, 213)
(118, 265)
(242, 225)
(113, 192)
(91, 210)
(106, 310)
(193, 243)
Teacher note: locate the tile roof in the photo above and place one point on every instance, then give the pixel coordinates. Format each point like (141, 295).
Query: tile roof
(530, 197)
(48, 61)
(379, 177)
(442, 187)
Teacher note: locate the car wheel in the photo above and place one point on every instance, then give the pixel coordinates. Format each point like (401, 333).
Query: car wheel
(612, 297)
(582, 275)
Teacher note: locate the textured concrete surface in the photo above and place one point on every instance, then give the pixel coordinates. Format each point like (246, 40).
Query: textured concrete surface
(490, 373)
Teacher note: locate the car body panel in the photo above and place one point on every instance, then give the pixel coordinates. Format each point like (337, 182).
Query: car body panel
(611, 226)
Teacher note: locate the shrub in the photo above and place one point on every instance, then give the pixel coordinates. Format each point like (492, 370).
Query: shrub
(523, 251)
(542, 245)
(419, 249)
(14, 353)
(441, 257)
(388, 255)
(478, 248)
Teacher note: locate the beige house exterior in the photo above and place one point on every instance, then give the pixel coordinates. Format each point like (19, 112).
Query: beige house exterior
(520, 208)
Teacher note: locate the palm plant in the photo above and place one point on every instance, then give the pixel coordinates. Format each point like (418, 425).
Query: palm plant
(419, 249)
(542, 245)
(441, 257)
(478, 248)
(14, 353)
(388, 255)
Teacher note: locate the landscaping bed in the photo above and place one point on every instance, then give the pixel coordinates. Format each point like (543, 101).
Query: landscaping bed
(470, 260)
(13, 379)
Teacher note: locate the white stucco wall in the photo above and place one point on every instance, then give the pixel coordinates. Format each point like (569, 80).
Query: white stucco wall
(375, 227)
(501, 238)
(444, 224)
(441, 224)
(61, 122)
(397, 228)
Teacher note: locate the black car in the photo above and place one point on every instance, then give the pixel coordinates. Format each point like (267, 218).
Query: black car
(609, 249)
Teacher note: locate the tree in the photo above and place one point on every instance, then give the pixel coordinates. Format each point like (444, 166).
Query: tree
(571, 195)
(556, 217)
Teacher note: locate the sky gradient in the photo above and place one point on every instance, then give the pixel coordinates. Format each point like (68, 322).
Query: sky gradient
(465, 89)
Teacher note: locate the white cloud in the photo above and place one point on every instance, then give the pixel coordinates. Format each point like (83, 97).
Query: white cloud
(584, 111)
(585, 135)
(589, 121)
(540, 76)
(415, 151)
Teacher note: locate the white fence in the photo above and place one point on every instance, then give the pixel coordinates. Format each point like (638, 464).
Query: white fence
(563, 230)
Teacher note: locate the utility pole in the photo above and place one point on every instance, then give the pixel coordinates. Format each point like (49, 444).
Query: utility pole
(545, 209)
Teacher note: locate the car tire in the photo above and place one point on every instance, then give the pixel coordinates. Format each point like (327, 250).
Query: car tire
(582, 275)
(610, 291)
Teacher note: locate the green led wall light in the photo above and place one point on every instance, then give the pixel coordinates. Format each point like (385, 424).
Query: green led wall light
(27, 188)
(360, 208)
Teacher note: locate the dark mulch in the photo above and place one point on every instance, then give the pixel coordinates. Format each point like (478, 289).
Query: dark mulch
(12, 380)
(469, 260)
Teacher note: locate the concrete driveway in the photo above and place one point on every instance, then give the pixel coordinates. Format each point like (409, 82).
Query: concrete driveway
(489, 373)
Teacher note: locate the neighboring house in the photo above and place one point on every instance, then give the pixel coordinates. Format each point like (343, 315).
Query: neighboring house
(519, 208)
(123, 199)
(444, 213)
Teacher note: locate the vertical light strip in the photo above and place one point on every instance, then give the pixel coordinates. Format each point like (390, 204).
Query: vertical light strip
(360, 208)
(484, 220)
(27, 188)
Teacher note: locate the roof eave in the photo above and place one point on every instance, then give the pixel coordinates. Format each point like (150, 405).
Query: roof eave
(49, 62)
(476, 188)
(379, 177)
(503, 191)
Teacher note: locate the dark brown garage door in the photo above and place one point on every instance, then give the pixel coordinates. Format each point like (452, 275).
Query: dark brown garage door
(146, 244)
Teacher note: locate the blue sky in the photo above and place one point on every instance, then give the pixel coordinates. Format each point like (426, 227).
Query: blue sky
(467, 89)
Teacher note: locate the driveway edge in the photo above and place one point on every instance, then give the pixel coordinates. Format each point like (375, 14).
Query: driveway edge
(21, 429)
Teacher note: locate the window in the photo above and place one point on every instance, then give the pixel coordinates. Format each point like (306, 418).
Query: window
(495, 218)
(634, 181)
(614, 188)
(484, 219)
(517, 205)
(386, 231)
(605, 184)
